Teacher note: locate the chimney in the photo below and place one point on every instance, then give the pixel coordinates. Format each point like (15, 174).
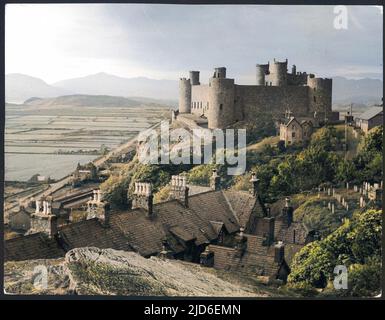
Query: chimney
(165, 253)
(279, 252)
(268, 211)
(265, 227)
(215, 181)
(43, 220)
(99, 208)
(143, 197)
(179, 189)
(38, 205)
(255, 182)
(207, 258)
(287, 212)
(240, 242)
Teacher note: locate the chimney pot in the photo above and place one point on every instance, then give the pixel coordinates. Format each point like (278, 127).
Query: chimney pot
(255, 181)
(38, 204)
(215, 181)
(179, 189)
(143, 197)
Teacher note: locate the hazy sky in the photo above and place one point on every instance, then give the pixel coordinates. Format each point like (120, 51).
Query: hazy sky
(55, 42)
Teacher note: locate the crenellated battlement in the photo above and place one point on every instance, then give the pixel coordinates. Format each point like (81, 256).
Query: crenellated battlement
(224, 102)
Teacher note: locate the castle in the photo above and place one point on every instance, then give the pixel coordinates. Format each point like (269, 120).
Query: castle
(223, 102)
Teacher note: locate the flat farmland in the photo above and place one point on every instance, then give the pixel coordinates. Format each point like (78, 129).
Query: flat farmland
(51, 140)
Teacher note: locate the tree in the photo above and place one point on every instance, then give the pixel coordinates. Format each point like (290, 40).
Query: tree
(115, 189)
(346, 171)
(373, 141)
(366, 236)
(328, 138)
(313, 265)
(200, 175)
(356, 244)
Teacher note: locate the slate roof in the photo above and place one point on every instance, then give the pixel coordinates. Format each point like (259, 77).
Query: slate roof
(284, 233)
(290, 120)
(256, 260)
(194, 189)
(296, 233)
(243, 203)
(33, 246)
(370, 113)
(172, 220)
(182, 233)
(217, 226)
(133, 230)
(90, 233)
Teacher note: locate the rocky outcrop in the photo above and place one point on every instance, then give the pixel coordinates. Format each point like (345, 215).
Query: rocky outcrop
(40, 276)
(110, 272)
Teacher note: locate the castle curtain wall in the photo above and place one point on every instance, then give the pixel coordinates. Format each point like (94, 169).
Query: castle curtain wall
(252, 100)
(199, 96)
(224, 102)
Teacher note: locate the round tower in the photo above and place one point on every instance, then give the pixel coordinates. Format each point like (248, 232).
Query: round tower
(184, 95)
(220, 72)
(278, 73)
(261, 70)
(194, 77)
(320, 96)
(221, 102)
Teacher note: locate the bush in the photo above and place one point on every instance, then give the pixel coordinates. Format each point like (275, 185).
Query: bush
(200, 175)
(312, 265)
(356, 244)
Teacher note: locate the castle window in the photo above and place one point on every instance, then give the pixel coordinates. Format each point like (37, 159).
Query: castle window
(221, 106)
(314, 99)
(201, 104)
(293, 134)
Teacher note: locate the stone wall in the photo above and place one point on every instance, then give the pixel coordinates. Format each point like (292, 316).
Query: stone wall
(199, 99)
(253, 100)
(223, 102)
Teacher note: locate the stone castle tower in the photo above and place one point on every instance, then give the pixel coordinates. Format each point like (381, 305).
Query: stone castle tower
(223, 102)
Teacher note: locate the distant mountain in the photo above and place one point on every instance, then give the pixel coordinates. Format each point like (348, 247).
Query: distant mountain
(20, 87)
(362, 91)
(107, 84)
(80, 100)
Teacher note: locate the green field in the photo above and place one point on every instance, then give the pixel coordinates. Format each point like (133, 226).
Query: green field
(38, 138)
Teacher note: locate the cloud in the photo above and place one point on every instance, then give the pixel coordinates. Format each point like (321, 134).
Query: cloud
(165, 41)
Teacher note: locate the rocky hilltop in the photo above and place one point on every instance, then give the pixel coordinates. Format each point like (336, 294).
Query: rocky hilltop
(110, 272)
